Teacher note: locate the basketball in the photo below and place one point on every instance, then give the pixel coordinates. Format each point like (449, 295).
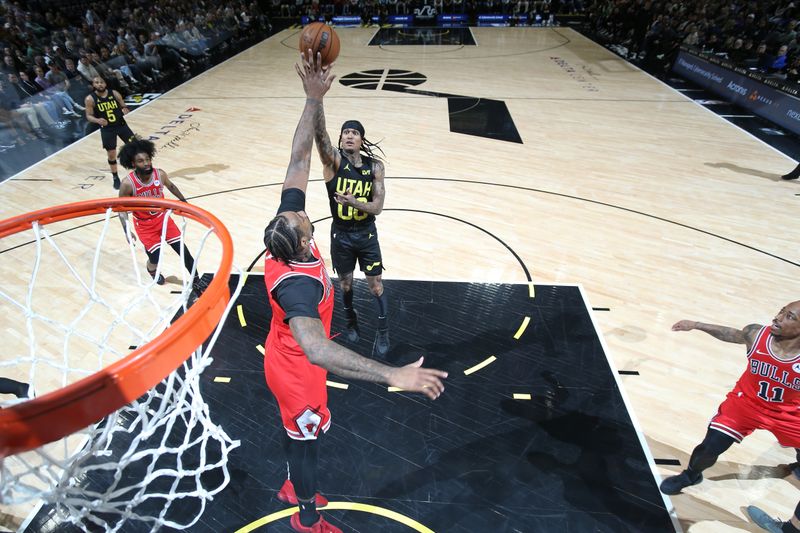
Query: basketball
(320, 37)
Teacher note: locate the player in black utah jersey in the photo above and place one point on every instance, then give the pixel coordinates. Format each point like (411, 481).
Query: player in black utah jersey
(354, 179)
(106, 109)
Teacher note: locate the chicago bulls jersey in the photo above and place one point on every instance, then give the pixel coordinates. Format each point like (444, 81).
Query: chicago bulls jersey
(280, 336)
(773, 383)
(153, 189)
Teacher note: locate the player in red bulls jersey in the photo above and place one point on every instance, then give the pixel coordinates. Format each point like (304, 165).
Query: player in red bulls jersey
(298, 350)
(767, 395)
(144, 180)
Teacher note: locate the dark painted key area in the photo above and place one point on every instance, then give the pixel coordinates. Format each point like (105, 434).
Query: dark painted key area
(426, 36)
(475, 460)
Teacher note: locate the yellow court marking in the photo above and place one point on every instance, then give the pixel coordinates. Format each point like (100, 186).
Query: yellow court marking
(520, 396)
(531, 290)
(335, 385)
(341, 506)
(395, 389)
(220, 379)
(260, 349)
(240, 311)
(522, 327)
(491, 359)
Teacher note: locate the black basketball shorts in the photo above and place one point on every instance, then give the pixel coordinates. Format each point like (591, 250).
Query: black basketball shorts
(109, 135)
(347, 247)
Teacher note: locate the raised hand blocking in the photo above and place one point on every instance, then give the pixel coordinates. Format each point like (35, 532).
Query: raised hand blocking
(317, 80)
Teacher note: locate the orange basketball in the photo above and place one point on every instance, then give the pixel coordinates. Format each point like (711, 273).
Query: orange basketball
(320, 37)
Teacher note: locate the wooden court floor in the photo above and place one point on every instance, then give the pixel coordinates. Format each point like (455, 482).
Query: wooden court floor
(658, 208)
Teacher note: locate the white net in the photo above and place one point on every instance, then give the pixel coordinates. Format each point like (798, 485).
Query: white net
(76, 304)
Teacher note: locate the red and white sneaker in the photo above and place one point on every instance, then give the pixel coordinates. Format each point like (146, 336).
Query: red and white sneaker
(320, 526)
(287, 494)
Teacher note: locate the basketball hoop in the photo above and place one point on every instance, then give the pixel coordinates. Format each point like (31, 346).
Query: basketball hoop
(155, 385)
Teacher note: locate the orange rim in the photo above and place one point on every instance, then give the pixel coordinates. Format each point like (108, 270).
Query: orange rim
(59, 413)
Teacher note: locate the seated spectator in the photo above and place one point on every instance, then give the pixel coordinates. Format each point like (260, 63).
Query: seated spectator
(779, 65)
(28, 90)
(77, 86)
(57, 91)
(793, 70)
(14, 122)
(737, 52)
(24, 110)
(764, 59)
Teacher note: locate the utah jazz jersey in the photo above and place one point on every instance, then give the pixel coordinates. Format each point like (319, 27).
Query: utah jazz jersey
(108, 108)
(358, 181)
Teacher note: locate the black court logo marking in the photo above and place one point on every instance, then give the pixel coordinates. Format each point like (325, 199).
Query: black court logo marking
(469, 115)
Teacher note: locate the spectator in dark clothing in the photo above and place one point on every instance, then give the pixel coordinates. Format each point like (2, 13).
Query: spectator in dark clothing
(737, 52)
(763, 59)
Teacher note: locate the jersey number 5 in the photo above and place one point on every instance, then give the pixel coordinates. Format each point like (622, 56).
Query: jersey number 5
(763, 392)
(110, 116)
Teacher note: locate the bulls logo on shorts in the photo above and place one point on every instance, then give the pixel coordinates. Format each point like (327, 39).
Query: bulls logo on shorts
(308, 423)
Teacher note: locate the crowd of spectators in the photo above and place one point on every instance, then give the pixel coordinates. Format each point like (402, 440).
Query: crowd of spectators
(51, 51)
(756, 34)
(540, 10)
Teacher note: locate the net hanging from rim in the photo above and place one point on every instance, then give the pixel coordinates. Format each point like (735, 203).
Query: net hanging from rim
(109, 435)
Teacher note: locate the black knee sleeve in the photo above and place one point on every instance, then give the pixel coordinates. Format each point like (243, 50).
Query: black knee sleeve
(707, 452)
(188, 260)
(347, 297)
(302, 456)
(154, 256)
(112, 161)
(382, 303)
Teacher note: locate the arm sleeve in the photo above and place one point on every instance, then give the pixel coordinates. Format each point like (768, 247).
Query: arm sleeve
(292, 200)
(299, 296)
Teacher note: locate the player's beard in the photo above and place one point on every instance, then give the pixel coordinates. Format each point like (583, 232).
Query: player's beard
(144, 173)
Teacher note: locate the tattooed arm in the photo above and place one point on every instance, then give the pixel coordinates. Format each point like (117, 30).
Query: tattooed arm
(746, 335)
(329, 155)
(321, 351)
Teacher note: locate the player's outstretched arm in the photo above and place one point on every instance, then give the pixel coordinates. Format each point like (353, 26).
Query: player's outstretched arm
(316, 82)
(724, 333)
(329, 155)
(321, 351)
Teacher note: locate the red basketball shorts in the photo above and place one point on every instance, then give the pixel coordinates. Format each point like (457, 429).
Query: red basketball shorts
(301, 392)
(149, 231)
(738, 416)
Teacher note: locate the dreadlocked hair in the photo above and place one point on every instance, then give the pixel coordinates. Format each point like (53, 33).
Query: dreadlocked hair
(281, 239)
(127, 153)
(367, 148)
